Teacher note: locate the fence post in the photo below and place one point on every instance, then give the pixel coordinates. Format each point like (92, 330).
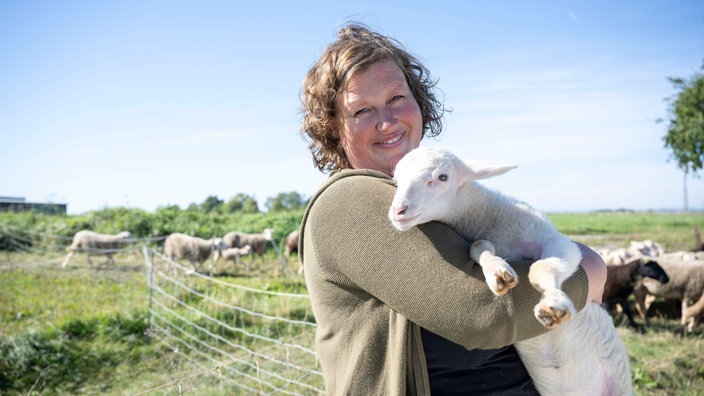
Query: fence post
(150, 280)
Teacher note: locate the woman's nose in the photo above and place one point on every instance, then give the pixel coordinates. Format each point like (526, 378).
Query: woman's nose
(385, 118)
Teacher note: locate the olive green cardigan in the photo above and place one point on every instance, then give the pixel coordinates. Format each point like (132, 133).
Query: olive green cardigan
(372, 288)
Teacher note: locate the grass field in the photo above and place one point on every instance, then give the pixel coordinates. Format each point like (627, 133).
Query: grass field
(83, 330)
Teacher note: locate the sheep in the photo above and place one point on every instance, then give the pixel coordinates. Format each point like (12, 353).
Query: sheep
(234, 254)
(683, 255)
(646, 248)
(636, 249)
(191, 248)
(291, 243)
(258, 242)
(694, 312)
(686, 284)
(96, 244)
(434, 184)
(621, 280)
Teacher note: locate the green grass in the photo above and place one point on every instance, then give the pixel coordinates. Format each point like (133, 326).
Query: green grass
(84, 331)
(675, 231)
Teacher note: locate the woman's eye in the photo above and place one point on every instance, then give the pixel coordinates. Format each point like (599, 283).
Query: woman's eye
(361, 112)
(396, 98)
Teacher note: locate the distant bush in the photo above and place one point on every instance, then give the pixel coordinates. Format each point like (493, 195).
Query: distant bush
(37, 229)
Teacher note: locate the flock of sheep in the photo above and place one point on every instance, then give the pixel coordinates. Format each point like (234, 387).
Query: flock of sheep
(177, 246)
(646, 271)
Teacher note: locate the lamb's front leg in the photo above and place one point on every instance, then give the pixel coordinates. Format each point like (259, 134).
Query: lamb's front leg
(499, 275)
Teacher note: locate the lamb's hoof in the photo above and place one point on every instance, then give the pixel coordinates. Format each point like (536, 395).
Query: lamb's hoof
(550, 317)
(552, 314)
(505, 281)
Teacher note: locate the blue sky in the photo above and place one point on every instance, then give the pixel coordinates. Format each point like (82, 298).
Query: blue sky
(151, 103)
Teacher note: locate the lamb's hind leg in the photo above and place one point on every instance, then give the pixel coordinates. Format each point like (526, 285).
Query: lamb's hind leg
(499, 275)
(555, 306)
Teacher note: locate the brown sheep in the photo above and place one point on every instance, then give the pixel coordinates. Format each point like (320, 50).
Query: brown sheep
(292, 243)
(621, 279)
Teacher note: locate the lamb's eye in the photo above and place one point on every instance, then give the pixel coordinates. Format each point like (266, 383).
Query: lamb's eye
(443, 177)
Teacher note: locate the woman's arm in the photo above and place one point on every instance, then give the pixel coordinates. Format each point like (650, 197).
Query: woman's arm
(595, 268)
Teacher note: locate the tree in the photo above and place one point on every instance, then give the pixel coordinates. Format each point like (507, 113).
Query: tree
(241, 203)
(685, 132)
(211, 204)
(285, 201)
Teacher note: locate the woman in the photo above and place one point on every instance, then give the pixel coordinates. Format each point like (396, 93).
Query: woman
(400, 313)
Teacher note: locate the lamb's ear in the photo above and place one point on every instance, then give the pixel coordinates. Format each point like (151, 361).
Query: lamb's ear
(476, 170)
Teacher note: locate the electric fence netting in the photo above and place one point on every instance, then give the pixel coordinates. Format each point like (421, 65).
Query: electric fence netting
(218, 334)
(244, 339)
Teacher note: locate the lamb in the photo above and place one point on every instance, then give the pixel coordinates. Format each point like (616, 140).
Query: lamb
(621, 280)
(234, 254)
(191, 248)
(258, 242)
(686, 284)
(434, 184)
(97, 244)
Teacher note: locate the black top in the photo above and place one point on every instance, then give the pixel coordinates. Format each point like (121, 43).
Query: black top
(455, 370)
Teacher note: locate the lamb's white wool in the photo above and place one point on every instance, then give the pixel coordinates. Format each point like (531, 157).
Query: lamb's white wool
(235, 254)
(96, 244)
(434, 184)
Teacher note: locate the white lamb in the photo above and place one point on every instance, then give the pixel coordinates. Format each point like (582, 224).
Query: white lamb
(581, 356)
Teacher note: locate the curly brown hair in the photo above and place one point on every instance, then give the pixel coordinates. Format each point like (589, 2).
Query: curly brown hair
(355, 49)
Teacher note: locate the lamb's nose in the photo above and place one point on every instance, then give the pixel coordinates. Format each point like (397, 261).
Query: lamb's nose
(400, 210)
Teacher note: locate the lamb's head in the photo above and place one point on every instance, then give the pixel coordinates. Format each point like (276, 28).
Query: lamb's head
(428, 180)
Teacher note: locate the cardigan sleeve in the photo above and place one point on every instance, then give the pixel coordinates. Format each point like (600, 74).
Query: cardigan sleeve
(424, 274)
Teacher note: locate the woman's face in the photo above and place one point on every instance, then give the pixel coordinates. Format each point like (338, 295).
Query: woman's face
(378, 119)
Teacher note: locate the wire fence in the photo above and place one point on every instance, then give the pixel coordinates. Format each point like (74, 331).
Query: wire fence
(224, 337)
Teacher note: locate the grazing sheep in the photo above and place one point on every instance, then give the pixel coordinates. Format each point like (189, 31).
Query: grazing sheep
(434, 184)
(686, 284)
(96, 244)
(258, 242)
(234, 254)
(291, 244)
(192, 248)
(621, 280)
(646, 248)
